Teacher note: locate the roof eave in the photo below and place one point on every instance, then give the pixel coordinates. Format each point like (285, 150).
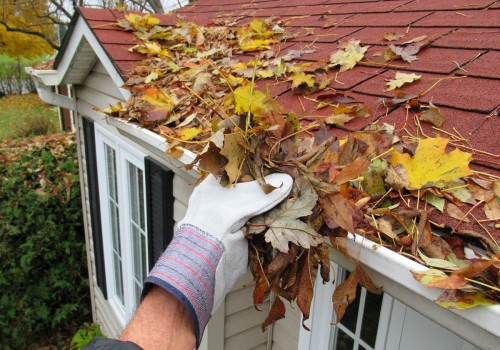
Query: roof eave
(479, 325)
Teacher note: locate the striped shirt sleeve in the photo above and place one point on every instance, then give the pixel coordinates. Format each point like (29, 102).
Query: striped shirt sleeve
(187, 271)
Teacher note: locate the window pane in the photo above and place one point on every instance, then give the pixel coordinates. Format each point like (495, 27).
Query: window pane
(111, 172)
(115, 226)
(343, 341)
(351, 315)
(136, 188)
(373, 305)
(118, 277)
(136, 242)
(137, 226)
(144, 262)
(140, 199)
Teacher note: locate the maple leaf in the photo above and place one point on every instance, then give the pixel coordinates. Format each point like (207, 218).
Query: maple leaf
(282, 224)
(431, 166)
(407, 53)
(152, 49)
(300, 78)
(248, 99)
(400, 79)
(159, 98)
(257, 35)
(348, 55)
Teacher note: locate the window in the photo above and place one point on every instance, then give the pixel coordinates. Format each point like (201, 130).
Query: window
(363, 327)
(359, 326)
(123, 215)
(371, 322)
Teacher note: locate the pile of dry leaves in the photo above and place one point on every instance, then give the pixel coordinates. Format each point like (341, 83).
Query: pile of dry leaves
(199, 91)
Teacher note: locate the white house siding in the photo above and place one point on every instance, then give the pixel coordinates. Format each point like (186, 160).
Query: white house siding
(286, 331)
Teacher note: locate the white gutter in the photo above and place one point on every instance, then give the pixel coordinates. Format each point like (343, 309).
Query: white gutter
(44, 81)
(479, 325)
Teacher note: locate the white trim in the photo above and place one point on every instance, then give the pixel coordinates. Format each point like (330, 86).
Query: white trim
(83, 31)
(125, 154)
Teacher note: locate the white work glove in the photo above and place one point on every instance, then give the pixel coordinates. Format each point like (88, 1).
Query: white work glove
(209, 252)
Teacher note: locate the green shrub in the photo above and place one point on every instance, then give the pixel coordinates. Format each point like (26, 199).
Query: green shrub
(43, 275)
(85, 334)
(34, 126)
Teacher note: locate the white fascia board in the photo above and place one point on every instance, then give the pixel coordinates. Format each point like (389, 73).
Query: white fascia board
(81, 31)
(44, 81)
(398, 269)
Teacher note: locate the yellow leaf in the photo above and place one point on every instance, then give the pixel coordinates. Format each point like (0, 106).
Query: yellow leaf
(160, 98)
(467, 301)
(142, 22)
(438, 279)
(300, 78)
(188, 133)
(400, 79)
(431, 166)
(235, 155)
(348, 55)
(247, 98)
(152, 49)
(258, 35)
(152, 76)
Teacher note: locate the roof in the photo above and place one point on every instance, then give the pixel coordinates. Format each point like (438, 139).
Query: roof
(463, 37)
(458, 63)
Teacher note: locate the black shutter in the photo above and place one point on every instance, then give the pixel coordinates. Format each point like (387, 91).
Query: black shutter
(95, 209)
(160, 208)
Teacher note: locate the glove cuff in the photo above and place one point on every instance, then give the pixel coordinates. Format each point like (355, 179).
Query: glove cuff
(187, 271)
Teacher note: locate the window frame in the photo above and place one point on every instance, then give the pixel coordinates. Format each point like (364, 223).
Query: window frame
(124, 155)
(322, 332)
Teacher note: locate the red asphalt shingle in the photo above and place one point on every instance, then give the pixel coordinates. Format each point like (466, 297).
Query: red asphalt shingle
(459, 63)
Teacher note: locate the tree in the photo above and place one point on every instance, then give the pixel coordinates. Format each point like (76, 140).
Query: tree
(24, 31)
(44, 19)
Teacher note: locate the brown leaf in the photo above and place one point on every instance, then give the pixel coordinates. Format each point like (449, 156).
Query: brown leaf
(276, 313)
(366, 281)
(324, 258)
(352, 170)
(306, 287)
(492, 209)
(455, 212)
(433, 116)
(475, 268)
(211, 161)
(338, 211)
(344, 295)
(261, 291)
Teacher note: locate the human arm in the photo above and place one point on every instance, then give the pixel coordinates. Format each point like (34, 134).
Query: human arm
(207, 255)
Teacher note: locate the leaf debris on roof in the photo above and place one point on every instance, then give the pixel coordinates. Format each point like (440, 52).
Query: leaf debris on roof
(226, 113)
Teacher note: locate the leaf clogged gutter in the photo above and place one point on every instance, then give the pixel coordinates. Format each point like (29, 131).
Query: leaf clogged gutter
(199, 91)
